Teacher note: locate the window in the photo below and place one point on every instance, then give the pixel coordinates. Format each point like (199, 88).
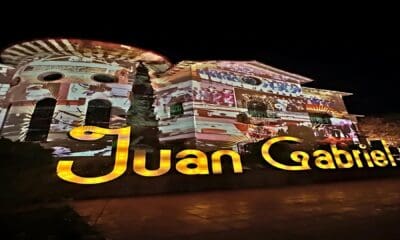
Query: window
(50, 76)
(320, 118)
(98, 113)
(104, 78)
(39, 124)
(257, 109)
(251, 80)
(176, 109)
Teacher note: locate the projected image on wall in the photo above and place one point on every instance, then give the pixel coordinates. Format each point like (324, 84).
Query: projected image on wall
(206, 105)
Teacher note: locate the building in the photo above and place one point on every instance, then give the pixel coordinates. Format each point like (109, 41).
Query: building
(225, 104)
(50, 86)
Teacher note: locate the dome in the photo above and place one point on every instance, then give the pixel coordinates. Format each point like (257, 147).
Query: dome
(78, 61)
(85, 50)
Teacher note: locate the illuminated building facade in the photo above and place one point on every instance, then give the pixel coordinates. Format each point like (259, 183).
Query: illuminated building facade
(50, 86)
(226, 104)
(47, 87)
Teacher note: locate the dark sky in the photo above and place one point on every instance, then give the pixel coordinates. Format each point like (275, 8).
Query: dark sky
(340, 52)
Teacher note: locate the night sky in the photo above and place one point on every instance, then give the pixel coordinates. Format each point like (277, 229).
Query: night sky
(340, 52)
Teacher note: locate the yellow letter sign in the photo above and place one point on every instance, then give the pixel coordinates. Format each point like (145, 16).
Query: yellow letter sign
(90, 133)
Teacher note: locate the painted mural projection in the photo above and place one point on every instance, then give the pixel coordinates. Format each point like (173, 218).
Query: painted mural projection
(260, 104)
(327, 113)
(76, 69)
(86, 90)
(3, 106)
(117, 94)
(169, 98)
(3, 90)
(67, 115)
(174, 109)
(271, 115)
(214, 94)
(3, 113)
(15, 127)
(104, 105)
(334, 130)
(250, 82)
(215, 115)
(253, 69)
(212, 104)
(221, 118)
(324, 101)
(6, 74)
(33, 92)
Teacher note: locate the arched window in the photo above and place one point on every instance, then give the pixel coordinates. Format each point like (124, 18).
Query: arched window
(41, 119)
(98, 113)
(257, 109)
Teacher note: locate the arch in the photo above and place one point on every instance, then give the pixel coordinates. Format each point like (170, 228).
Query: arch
(42, 116)
(98, 113)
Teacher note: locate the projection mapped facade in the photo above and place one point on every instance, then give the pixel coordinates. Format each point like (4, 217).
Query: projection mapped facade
(51, 86)
(226, 104)
(48, 87)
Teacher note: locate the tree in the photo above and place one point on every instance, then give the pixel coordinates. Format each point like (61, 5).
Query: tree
(141, 113)
(385, 127)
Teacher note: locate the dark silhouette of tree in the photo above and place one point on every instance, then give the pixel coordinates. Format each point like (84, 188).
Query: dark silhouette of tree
(385, 126)
(141, 113)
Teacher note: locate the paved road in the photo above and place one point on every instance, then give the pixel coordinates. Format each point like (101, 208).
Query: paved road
(352, 210)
